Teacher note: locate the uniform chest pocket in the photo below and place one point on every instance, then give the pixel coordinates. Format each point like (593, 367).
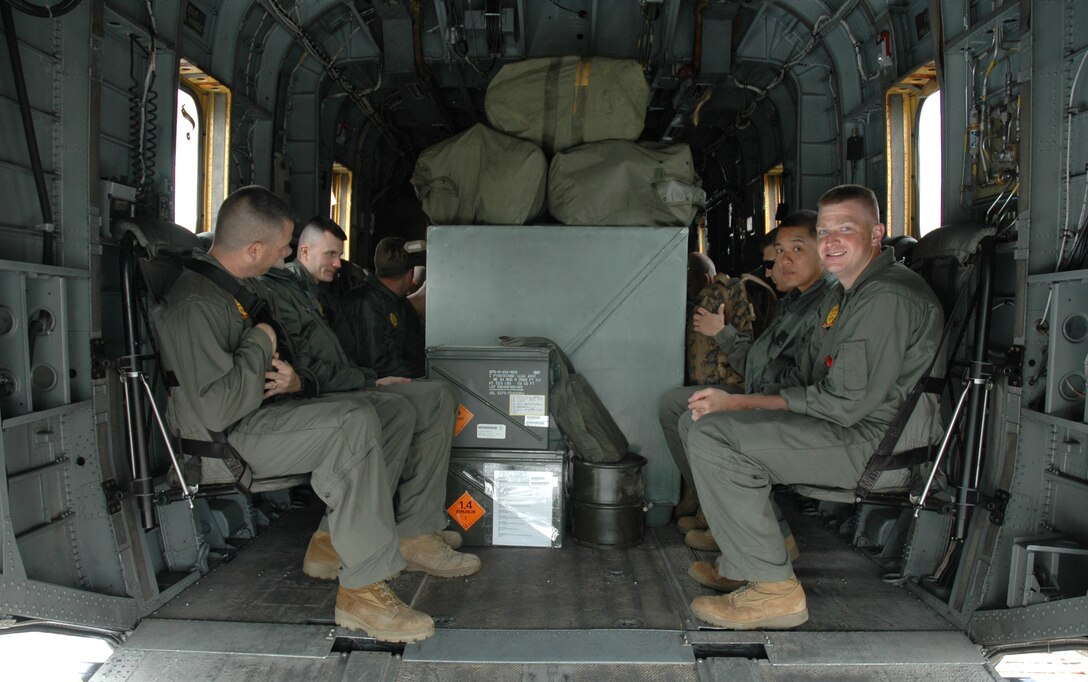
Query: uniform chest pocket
(850, 368)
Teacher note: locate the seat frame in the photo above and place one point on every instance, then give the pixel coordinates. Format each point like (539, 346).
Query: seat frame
(975, 395)
(146, 242)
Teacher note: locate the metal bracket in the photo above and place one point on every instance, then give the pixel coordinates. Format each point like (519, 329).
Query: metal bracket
(1013, 366)
(114, 495)
(100, 362)
(996, 504)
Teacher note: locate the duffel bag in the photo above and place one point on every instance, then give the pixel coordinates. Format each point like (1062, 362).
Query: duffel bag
(481, 176)
(624, 183)
(562, 102)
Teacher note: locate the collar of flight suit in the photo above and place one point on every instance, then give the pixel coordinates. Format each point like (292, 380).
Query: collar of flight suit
(881, 262)
(800, 299)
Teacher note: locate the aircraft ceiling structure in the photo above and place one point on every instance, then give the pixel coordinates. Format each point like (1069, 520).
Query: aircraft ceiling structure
(749, 83)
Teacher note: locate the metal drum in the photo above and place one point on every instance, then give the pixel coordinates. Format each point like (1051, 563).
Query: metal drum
(607, 502)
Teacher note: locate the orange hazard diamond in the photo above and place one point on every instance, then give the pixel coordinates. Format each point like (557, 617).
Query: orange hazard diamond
(466, 511)
(463, 418)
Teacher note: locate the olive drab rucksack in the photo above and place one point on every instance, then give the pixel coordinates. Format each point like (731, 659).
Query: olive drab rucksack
(706, 362)
(581, 415)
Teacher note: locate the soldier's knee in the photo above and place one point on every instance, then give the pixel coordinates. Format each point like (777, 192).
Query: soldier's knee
(402, 415)
(704, 439)
(447, 397)
(361, 420)
(673, 403)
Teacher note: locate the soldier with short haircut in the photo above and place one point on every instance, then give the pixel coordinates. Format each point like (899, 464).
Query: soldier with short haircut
(228, 367)
(856, 374)
(377, 325)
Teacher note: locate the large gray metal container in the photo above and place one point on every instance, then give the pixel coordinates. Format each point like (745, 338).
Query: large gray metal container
(611, 297)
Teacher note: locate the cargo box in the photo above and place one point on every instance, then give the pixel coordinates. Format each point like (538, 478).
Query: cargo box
(508, 497)
(504, 395)
(611, 297)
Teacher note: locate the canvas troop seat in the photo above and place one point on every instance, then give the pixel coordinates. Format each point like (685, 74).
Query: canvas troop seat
(153, 255)
(951, 260)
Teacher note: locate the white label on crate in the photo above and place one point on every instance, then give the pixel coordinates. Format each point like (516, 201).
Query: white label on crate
(523, 508)
(491, 431)
(528, 405)
(510, 381)
(541, 422)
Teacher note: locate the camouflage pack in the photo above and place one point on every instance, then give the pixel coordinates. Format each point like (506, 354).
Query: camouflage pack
(706, 362)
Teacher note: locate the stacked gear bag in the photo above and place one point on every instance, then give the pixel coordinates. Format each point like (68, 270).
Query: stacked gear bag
(562, 102)
(624, 183)
(481, 176)
(586, 114)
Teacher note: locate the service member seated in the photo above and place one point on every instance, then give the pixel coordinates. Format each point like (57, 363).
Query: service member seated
(768, 361)
(231, 380)
(417, 416)
(876, 332)
(771, 362)
(376, 324)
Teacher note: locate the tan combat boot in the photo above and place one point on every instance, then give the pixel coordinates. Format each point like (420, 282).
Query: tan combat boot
(702, 540)
(429, 554)
(685, 524)
(379, 612)
(757, 606)
(321, 560)
(707, 576)
(451, 538)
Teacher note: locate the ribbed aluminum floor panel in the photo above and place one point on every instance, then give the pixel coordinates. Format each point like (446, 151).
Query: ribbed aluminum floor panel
(573, 613)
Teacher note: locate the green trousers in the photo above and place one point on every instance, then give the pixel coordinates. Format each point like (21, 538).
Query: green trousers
(420, 482)
(337, 440)
(673, 405)
(735, 458)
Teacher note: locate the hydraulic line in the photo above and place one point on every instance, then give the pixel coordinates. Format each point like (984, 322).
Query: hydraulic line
(976, 402)
(135, 418)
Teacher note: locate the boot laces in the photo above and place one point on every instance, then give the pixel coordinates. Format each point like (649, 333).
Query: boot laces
(438, 546)
(387, 596)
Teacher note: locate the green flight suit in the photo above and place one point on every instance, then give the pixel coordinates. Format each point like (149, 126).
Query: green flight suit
(416, 417)
(870, 347)
(219, 358)
(381, 330)
(772, 360)
(769, 362)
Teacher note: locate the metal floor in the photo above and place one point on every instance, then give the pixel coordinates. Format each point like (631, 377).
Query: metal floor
(545, 614)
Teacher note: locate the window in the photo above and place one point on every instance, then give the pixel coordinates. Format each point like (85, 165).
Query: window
(340, 203)
(904, 145)
(772, 197)
(929, 164)
(203, 139)
(187, 162)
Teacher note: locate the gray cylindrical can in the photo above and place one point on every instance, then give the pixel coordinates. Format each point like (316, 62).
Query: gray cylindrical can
(607, 502)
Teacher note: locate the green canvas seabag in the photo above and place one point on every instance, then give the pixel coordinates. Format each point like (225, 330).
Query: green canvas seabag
(578, 410)
(481, 177)
(562, 102)
(624, 183)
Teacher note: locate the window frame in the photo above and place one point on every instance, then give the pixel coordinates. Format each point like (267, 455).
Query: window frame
(902, 104)
(214, 102)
